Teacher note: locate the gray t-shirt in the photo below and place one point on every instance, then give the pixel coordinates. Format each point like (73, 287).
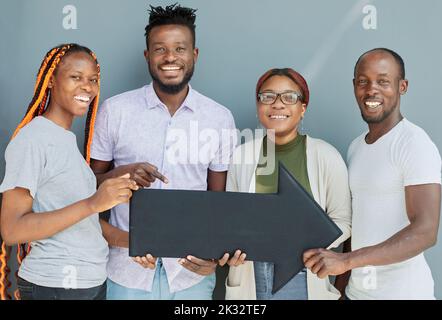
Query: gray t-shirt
(44, 158)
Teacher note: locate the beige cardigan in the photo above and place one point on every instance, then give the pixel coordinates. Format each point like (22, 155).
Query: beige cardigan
(328, 179)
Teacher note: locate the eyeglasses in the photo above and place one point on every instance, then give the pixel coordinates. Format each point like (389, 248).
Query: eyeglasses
(287, 97)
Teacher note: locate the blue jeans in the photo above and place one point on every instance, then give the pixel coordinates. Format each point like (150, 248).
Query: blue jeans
(295, 289)
(160, 289)
(30, 291)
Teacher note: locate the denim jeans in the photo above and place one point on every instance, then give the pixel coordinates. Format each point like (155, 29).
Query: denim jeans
(160, 289)
(30, 291)
(295, 289)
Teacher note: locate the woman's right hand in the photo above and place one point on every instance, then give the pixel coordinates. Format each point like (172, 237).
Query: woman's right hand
(112, 192)
(237, 259)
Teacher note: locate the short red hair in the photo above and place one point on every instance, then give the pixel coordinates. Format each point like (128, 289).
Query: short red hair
(290, 73)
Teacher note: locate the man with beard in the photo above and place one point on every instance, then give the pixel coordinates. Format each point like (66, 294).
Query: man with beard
(395, 182)
(166, 127)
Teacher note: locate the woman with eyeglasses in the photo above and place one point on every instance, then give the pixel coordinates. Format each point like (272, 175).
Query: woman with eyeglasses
(282, 97)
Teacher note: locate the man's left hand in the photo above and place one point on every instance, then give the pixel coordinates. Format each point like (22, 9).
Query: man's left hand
(199, 266)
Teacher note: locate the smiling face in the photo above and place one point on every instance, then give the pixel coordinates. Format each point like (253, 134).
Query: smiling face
(74, 84)
(378, 87)
(171, 57)
(282, 118)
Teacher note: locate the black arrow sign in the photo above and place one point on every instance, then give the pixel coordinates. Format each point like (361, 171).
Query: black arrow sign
(267, 227)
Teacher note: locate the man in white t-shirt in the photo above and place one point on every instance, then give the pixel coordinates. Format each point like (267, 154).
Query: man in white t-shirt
(395, 181)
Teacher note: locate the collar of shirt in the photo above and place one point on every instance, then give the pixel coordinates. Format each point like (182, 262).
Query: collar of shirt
(153, 101)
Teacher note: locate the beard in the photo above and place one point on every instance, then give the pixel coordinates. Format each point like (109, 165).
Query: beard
(172, 88)
(373, 120)
(378, 119)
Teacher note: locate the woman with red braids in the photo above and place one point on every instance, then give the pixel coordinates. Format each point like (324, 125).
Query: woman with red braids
(282, 97)
(49, 192)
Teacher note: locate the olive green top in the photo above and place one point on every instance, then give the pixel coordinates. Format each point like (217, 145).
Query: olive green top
(293, 156)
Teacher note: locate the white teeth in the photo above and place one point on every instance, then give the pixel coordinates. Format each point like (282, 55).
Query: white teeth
(170, 68)
(278, 117)
(372, 104)
(82, 98)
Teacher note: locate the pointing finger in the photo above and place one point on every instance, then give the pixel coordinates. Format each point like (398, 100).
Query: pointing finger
(160, 176)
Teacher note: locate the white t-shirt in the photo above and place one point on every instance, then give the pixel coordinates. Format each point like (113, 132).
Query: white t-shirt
(378, 174)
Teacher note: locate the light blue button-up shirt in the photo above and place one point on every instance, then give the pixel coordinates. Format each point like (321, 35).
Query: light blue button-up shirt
(136, 126)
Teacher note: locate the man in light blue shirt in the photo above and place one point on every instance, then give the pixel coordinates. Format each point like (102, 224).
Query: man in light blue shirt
(166, 127)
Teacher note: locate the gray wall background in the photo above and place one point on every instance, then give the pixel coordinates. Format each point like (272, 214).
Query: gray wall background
(238, 41)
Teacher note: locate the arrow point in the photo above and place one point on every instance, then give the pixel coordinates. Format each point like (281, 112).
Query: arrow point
(283, 273)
